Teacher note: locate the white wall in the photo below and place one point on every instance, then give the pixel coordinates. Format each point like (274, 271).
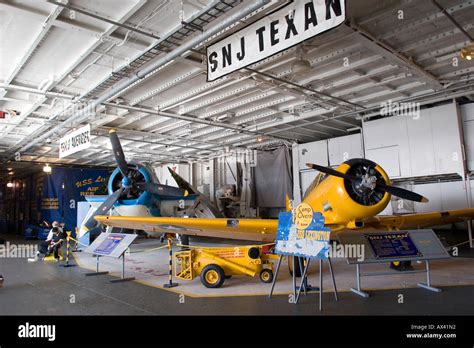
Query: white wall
(408, 147)
(331, 152)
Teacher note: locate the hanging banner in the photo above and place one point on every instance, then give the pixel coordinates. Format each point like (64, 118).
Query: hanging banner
(302, 233)
(64, 188)
(298, 21)
(78, 140)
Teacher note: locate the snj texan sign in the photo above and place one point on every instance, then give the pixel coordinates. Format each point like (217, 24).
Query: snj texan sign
(280, 30)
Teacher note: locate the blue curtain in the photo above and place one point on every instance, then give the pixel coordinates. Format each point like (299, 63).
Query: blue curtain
(64, 187)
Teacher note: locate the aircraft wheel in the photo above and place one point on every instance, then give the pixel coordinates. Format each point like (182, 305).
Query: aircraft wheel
(401, 266)
(266, 275)
(296, 267)
(212, 276)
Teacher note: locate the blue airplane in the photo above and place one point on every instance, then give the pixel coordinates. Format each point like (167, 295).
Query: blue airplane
(134, 190)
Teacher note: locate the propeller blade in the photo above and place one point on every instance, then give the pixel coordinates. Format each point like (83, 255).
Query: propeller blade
(333, 172)
(161, 189)
(402, 193)
(118, 152)
(104, 207)
(396, 191)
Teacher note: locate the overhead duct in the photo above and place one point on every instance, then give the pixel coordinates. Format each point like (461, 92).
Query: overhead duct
(81, 115)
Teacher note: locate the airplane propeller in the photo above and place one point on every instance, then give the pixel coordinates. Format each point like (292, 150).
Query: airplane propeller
(371, 182)
(161, 189)
(128, 183)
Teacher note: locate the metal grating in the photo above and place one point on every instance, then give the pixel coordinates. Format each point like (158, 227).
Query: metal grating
(165, 44)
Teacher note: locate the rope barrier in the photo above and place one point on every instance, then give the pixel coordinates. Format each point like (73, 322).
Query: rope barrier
(147, 250)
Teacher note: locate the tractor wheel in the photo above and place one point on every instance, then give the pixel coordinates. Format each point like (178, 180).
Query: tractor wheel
(266, 275)
(212, 276)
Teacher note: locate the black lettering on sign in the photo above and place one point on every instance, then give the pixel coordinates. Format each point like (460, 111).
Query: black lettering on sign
(261, 44)
(273, 33)
(226, 56)
(213, 61)
(241, 54)
(290, 26)
(336, 7)
(309, 15)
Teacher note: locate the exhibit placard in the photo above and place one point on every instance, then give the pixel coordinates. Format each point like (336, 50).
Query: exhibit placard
(392, 245)
(310, 241)
(77, 140)
(292, 24)
(111, 244)
(388, 246)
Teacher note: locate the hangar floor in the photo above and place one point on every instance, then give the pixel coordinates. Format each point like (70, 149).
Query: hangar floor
(31, 288)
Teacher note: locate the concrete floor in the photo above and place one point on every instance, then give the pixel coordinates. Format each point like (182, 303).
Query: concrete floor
(46, 289)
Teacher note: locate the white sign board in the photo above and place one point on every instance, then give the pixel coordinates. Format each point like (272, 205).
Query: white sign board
(78, 140)
(278, 31)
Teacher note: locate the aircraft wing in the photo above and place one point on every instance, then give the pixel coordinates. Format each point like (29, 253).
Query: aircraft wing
(257, 230)
(264, 230)
(419, 220)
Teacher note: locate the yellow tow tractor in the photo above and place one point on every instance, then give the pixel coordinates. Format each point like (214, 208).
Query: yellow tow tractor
(214, 265)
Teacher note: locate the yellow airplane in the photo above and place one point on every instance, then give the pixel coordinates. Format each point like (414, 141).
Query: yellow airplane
(349, 198)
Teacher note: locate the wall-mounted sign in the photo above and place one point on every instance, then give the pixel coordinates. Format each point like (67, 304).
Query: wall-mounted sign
(278, 31)
(77, 140)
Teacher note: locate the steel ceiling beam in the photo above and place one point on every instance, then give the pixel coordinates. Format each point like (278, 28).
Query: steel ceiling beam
(385, 50)
(80, 116)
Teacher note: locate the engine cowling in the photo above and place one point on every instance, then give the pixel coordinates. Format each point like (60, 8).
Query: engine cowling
(135, 196)
(344, 202)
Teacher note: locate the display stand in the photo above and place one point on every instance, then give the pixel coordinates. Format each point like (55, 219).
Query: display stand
(123, 278)
(97, 269)
(304, 276)
(389, 246)
(302, 287)
(112, 245)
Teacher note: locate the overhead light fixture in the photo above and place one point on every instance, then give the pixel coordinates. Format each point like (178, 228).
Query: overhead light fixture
(467, 52)
(47, 169)
(9, 184)
(259, 139)
(11, 173)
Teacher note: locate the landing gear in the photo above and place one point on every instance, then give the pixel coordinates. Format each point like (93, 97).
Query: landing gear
(296, 268)
(401, 266)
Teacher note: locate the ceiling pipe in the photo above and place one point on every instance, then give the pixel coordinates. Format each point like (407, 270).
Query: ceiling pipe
(104, 19)
(183, 117)
(81, 115)
(36, 91)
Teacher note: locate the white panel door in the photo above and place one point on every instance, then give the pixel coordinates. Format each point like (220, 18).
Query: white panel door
(467, 112)
(343, 148)
(420, 142)
(387, 158)
(315, 152)
(446, 139)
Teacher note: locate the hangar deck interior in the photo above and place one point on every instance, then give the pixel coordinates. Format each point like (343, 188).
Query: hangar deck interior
(162, 137)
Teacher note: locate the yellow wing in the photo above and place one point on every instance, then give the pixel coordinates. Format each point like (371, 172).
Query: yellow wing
(258, 230)
(419, 220)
